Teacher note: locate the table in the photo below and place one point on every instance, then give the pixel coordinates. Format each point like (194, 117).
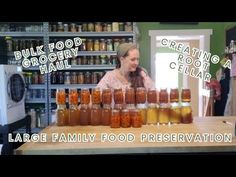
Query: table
(204, 135)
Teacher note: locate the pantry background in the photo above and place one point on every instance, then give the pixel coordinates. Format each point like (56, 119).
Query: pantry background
(97, 54)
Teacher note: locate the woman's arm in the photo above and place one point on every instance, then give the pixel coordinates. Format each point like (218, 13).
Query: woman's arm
(147, 81)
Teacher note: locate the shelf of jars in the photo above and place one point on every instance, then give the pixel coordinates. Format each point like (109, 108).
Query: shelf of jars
(68, 86)
(91, 34)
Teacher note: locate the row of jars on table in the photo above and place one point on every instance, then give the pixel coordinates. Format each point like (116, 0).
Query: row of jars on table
(92, 27)
(153, 113)
(76, 77)
(93, 60)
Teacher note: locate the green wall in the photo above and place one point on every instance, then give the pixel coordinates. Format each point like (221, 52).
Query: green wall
(217, 38)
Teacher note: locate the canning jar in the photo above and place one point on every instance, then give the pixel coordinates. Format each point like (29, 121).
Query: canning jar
(115, 118)
(85, 96)
(125, 120)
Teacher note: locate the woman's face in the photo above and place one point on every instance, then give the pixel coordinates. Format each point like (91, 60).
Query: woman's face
(131, 61)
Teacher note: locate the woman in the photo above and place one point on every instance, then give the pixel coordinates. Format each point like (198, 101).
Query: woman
(127, 72)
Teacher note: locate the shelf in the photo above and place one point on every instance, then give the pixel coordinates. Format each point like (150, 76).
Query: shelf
(78, 86)
(94, 53)
(91, 67)
(32, 68)
(22, 34)
(91, 34)
(36, 86)
(36, 100)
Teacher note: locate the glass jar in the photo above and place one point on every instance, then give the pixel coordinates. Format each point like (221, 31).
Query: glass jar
(54, 78)
(152, 114)
(60, 79)
(62, 115)
(84, 27)
(28, 78)
(102, 45)
(104, 27)
(79, 60)
(9, 43)
(96, 114)
(67, 78)
(73, 78)
(175, 113)
(60, 97)
(128, 27)
(66, 27)
(74, 115)
(136, 118)
(73, 61)
(115, 27)
(80, 78)
(125, 120)
(116, 43)
(83, 45)
(96, 96)
(164, 113)
(73, 110)
(109, 28)
(96, 45)
(89, 45)
(98, 27)
(91, 60)
(94, 78)
(109, 45)
(115, 119)
(60, 27)
(106, 96)
(87, 78)
(103, 60)
(186, 113)
(143, 110)
(84, 115)
(73, 27)
(129, 96)
(84, 60)
(90, 27)
(118, 96)
(152, 96)
(80, 28)
(85, 96)
(163, 96)
(97, 60)
(121, 26)
(186, 95)
(174, 95)
(106, 115)
(140, 95)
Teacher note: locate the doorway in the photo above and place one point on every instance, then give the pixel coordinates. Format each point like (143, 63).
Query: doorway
(161, 56)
